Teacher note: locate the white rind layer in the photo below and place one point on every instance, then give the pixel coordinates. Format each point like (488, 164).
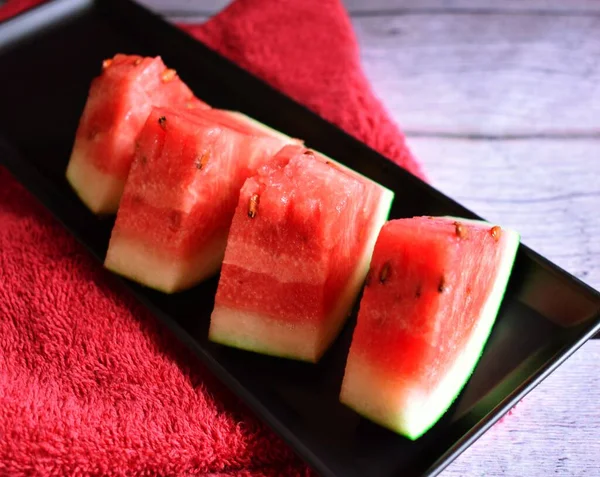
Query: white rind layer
(263, 334)
(412, 412)
(137, 261)
(100, 192)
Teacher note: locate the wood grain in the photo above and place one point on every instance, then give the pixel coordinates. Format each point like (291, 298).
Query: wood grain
(387, 7)
(501, 103)
(486, 75)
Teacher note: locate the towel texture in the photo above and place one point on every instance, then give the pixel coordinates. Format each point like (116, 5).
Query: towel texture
(90, 383)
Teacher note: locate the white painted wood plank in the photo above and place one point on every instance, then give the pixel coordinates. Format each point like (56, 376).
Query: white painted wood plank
(486, 74)
(542, 6)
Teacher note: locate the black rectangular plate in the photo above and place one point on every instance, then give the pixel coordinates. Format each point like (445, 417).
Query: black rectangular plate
(48, 57)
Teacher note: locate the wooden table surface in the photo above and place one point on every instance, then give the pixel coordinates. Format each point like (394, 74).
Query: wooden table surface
(501, 103)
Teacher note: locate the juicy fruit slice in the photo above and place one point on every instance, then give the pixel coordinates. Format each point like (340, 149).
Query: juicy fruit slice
(430, 302)
(297, 254)
(117, 107)
(180, 196)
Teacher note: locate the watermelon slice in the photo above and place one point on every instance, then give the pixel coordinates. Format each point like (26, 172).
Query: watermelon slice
(430, 302)
(118, 104)
(181, 194)
(297, 254)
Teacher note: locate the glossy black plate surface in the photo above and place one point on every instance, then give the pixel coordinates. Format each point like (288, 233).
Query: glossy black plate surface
(48, 57)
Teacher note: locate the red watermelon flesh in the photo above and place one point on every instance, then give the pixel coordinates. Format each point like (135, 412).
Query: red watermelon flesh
(297, 254)
(431, 299)
(118, 104)
(179, 198)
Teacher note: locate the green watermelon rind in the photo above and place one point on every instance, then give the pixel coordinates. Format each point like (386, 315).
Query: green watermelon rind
(413, 424)
(346, 302)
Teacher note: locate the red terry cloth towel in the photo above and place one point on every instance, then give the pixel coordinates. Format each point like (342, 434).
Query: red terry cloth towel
(90, 383)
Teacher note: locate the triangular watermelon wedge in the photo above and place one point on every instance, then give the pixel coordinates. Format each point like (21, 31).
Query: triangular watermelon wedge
(430, 302)
(297, 254)
(181, 194)
(118, 104)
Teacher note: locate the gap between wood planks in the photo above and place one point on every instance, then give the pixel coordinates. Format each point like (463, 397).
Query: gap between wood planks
(562, 136)
(469, 11)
